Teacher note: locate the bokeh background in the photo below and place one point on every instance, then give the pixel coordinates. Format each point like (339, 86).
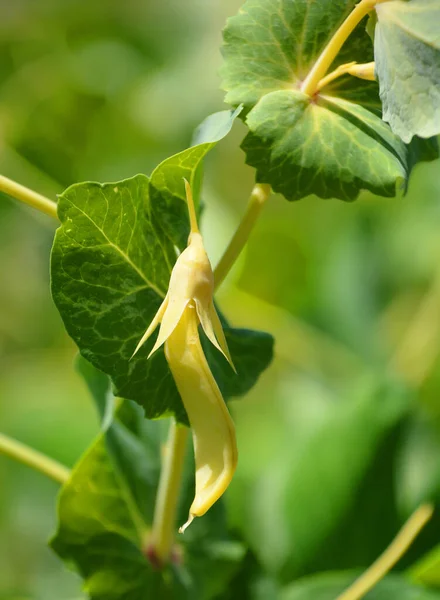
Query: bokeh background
(339, 441)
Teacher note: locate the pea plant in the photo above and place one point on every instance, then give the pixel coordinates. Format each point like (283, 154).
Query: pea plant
(337, 98)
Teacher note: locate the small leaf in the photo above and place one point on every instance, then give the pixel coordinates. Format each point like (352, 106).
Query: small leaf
(328, 586)
(329, 147)
(215, 127)
(167, 194)
(407, 56)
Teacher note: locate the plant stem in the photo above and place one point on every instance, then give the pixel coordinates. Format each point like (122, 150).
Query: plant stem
(391, 555)
(24, 194)
(257, 199)
(333, 47)
(362, 71)
(34, 459)
(162, 534)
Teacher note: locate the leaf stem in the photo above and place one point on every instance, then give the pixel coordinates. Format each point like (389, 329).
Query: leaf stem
(257, 200)
(362, 71)
(28, 196)
(164, 520)
(328, 55)
(390, 556)
(34, 459)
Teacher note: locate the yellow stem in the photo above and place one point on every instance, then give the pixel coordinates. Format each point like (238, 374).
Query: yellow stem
(392, 554)
(328, 55)
(362, 71)
(34, 459)
(24, 194)
(258, 197)
(164, 520)
(191, 208)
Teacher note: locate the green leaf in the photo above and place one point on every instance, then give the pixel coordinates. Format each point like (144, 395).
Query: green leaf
(329, 147)
(254, 351)
(328, 586)
(111, 263)
(407, 56)
(105, 512)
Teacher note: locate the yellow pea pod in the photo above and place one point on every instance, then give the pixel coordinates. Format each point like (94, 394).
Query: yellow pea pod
(189, 301)
(213, 430)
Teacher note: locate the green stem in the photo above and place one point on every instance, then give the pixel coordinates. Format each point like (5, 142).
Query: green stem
(24, 194)
(328, 55)
(162, 534)
(390, 556)
(34, 459)
(257, 200)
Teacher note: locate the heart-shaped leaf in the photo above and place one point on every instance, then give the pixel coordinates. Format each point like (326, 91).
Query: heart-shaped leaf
(111, 263)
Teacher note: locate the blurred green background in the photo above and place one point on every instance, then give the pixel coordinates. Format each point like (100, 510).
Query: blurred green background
(336, 447)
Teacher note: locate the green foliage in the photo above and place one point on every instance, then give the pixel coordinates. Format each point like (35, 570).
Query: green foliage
(296, 505)
(407, 56)
(106, 509)
(329, 586)
(111, 263)
(331, 145)
(332, 460)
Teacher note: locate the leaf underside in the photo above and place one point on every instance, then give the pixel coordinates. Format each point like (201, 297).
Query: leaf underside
(407, 55)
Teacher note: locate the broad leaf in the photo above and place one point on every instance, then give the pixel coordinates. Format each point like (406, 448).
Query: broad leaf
(111, 263)
(328, 586)
(106, 509)
(329, 147)
(326, 145)
(407, 56)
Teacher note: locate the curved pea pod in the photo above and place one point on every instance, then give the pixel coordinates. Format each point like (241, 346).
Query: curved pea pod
(213, 430)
